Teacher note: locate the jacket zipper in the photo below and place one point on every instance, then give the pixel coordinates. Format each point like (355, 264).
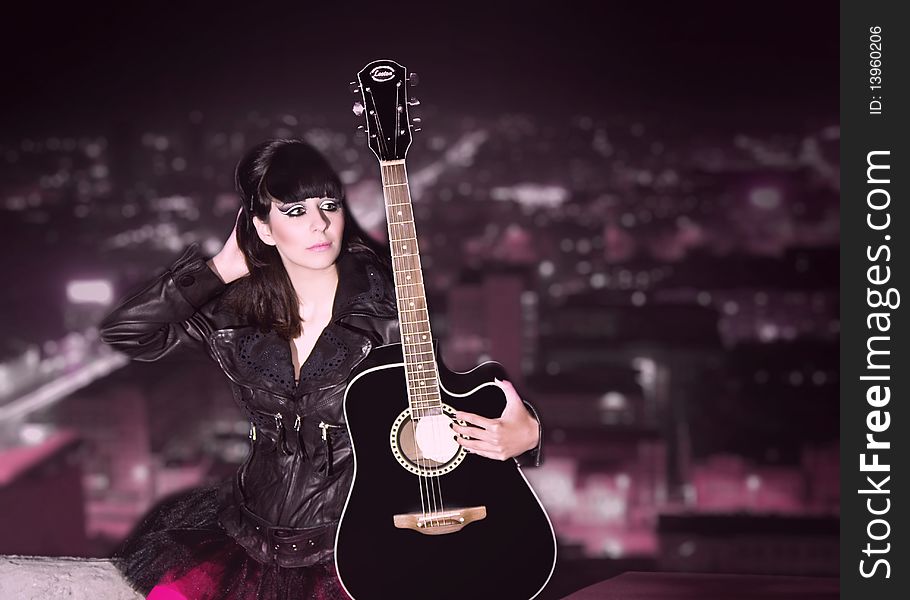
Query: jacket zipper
(295, 463)
(327, 442)
(301, 445)
(279, 426)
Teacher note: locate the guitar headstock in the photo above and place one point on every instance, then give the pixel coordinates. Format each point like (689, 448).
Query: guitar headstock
(383, 86)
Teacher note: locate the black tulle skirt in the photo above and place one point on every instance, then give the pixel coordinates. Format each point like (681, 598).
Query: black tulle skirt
(181, 543)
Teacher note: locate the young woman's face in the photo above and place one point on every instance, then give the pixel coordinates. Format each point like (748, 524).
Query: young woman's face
(306, 234)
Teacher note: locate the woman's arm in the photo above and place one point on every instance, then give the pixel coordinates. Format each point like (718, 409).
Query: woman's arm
(517, 433)
(176, 309)
(534, 456)
(172, 311)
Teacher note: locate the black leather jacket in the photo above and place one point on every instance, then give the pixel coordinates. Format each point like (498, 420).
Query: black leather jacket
(288, 495)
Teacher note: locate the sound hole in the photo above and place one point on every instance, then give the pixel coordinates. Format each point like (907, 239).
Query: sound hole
(424, 444)
(427, 447)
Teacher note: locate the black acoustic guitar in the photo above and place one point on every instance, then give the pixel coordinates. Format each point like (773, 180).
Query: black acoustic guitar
(424, 518)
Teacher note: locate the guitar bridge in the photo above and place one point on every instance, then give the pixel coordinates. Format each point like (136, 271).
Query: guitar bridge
(439, 523)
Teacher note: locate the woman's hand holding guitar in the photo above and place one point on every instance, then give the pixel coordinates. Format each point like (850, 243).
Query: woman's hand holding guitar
(513, 433)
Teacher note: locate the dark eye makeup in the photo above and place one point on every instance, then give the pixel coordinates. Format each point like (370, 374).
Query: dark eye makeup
(299, 209)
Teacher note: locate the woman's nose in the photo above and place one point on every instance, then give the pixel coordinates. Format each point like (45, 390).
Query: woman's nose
(319, 221)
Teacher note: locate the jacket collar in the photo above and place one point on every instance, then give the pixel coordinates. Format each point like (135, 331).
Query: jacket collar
(363, 287)
(262, 359)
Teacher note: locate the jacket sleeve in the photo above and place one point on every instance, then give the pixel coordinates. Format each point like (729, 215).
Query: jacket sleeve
(168, 313)
(534, 456)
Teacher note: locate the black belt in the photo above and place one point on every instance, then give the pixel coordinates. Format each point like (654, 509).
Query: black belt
(288, 544)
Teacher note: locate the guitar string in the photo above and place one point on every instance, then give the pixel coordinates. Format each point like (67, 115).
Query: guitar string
(425, 496)
(432, 483)
(397, 117)
(399, 110)
(380, 134)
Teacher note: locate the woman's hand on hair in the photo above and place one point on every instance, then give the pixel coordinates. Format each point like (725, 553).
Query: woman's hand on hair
(229, 263)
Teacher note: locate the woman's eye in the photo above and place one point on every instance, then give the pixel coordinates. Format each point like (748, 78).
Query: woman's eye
(298, 209)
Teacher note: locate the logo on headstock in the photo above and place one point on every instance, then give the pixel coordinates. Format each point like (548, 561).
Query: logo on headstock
(382, 73)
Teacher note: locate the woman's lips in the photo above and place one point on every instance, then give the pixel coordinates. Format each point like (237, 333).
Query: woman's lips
(320, 247)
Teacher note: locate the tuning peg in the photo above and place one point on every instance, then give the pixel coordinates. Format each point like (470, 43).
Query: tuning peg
(413, 79)
(357, 108)
(415, 110)
(416, 122)
(354, 87)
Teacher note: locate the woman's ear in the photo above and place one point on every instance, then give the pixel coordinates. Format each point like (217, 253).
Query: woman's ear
(263, 231)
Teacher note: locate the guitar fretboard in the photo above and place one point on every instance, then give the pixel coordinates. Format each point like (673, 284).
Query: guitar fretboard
(416, 337)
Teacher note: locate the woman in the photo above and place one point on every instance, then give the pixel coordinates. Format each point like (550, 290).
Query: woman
(292, 303)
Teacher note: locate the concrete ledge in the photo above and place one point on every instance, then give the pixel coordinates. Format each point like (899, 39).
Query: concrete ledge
(48, 578)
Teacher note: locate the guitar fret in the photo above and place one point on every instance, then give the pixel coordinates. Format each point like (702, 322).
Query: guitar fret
(416, 329)
(413, 315)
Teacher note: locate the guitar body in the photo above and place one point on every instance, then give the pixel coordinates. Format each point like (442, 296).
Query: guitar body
(510, 553)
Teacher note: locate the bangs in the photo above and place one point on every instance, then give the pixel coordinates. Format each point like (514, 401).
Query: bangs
(298, 172)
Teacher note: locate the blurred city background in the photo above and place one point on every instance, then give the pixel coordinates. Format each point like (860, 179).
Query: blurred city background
(658, 275)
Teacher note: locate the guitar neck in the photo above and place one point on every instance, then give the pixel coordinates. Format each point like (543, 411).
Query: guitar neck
(414, 318)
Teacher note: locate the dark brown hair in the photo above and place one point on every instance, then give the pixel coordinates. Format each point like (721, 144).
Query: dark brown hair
(286, 170)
